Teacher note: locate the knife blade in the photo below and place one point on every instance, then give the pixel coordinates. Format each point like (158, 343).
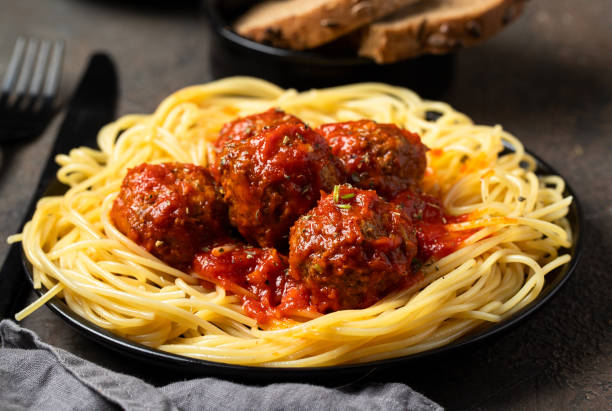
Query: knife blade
(91, 107)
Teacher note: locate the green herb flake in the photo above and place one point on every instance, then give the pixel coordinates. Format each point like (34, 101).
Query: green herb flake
(347, 196)
(418, 215)
(286, 141)
(336, 194)
(344, 206)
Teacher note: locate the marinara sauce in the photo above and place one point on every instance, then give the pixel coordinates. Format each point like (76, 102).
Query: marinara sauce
(430, 220)
(258, 275)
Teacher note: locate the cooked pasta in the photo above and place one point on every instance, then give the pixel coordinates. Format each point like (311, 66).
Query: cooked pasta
(517, 218)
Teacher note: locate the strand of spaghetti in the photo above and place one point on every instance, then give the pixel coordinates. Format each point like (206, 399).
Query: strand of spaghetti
(39, 302)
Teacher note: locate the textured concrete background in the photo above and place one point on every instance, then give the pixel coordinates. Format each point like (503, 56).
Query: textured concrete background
(547, 79)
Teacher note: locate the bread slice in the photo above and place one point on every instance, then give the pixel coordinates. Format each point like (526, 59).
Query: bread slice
(304, 24)
(436, 27)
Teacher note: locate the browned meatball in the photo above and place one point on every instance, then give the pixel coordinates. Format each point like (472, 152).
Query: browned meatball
(352, 249)
(274, 176)
(170, 209)
(381, 157)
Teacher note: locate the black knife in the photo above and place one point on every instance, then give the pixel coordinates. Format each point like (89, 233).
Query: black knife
(91, 107)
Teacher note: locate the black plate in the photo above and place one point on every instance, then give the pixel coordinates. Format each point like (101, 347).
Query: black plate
(333, 64)
(554, 281)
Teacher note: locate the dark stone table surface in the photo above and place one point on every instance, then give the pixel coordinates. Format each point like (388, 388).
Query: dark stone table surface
(547, 79)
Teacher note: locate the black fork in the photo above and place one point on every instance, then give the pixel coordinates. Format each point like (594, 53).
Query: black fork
(29, 88)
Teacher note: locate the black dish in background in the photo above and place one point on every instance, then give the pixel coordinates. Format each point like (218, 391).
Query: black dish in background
(329, 65)
(190, 366)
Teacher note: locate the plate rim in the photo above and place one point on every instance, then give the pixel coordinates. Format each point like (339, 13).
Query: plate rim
(200, 366)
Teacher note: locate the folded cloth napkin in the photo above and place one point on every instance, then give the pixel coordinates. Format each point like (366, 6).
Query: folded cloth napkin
(36, 375)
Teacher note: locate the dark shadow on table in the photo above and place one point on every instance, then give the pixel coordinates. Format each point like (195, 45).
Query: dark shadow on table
(153, 6)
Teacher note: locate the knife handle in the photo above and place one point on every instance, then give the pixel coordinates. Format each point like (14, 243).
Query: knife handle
(13, 283)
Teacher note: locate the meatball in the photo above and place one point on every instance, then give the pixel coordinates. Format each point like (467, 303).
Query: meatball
(352, 249)
(273, 177)
(381, 157)
(170, 209)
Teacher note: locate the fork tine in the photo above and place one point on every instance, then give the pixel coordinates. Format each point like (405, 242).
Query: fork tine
(54, 71)
(26, 68)
(13, 68)
(39, 71)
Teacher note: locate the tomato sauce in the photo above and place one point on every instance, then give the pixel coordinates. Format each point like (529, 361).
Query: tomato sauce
(258, 275)
(430, 221)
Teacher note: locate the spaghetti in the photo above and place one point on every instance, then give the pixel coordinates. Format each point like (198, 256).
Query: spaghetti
(517, 222)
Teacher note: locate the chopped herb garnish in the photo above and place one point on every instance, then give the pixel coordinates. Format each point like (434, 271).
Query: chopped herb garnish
(317, 267)
(336, 194)
(305, 189)
(306, 217)
(344, 206)
(347, 196)
(286, 140)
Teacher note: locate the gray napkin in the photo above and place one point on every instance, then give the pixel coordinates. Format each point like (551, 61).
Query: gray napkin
(36, 375)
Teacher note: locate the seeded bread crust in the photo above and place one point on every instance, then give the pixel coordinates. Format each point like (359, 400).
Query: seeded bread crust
(436, 27)
(304, 24)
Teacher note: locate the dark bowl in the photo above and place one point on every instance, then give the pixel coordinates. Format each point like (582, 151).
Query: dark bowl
(329, 65)
(190, 366)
